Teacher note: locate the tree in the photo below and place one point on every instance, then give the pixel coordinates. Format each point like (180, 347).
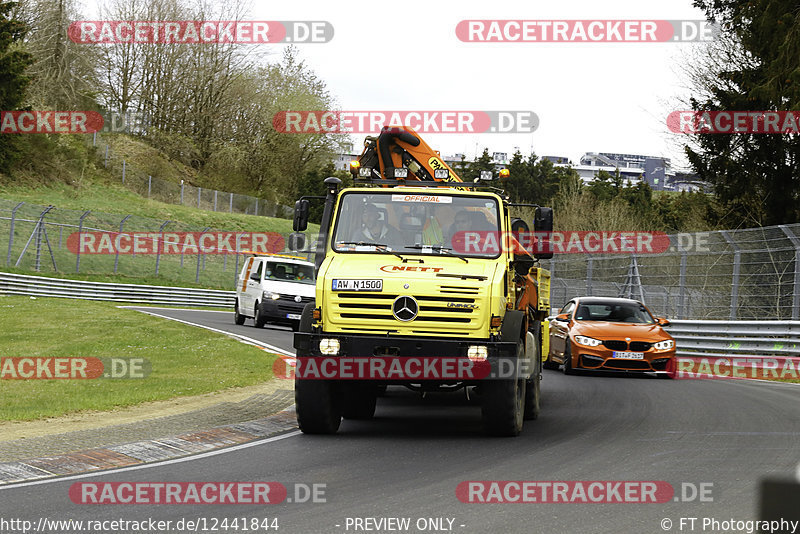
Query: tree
(13, 81)
(753, 66)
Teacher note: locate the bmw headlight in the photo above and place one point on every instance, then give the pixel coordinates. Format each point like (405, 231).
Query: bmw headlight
(664, 345)
(587, 341)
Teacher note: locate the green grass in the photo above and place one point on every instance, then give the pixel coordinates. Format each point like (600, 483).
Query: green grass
(185, 360)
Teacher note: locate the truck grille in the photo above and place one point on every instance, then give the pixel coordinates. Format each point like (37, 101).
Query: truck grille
(373, 312)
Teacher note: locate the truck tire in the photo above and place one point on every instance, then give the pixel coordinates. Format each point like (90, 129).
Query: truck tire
(503, 405)
(317, 402)
(238, 318)
(359, 401)
(258, 318)
(533, 388)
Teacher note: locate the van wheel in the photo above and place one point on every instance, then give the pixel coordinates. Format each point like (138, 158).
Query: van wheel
(258, 318)
(503, 405)
(238, 318)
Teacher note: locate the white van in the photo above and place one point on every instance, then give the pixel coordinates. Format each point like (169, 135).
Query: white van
(274, 288)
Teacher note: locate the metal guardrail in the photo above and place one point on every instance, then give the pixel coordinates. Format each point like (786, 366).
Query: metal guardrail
(22, 284)
(736, 338)
(692, 338)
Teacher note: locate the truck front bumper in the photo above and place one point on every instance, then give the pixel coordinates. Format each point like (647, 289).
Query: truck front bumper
(364, 345)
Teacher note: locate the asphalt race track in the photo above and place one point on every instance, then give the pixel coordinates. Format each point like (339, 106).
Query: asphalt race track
(408, 461)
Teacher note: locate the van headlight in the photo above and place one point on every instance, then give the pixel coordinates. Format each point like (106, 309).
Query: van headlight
(271, 295)
(588, 341)
(664, 345)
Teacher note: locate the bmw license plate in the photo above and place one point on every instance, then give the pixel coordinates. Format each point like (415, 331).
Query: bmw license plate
(629, 355)
(357, 285)
(293, 316)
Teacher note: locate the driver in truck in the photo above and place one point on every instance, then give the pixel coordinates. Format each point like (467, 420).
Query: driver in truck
(376, 230)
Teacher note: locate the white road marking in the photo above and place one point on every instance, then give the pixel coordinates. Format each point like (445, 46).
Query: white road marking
(239, 337)
(155, 464)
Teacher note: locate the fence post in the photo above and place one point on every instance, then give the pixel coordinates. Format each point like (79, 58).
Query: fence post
(60, 234)
(256, 211)
(11, 232)
(737, 261)
(158, 245)
(105, 160)
(116, 258)
(149, 185)
(682, 283)
(181, 192)
(796, 285)
(199, 189)
(80, 229)
(123, 171)
(94, 139)
(199, 253)
(589, 265)
(215, 199)
(230, 204)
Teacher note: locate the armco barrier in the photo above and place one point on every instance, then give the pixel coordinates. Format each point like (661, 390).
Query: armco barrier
(736, 338)
(22, 284)
(692, 338)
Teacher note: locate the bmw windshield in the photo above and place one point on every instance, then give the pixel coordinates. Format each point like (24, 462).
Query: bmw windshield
(414, 223)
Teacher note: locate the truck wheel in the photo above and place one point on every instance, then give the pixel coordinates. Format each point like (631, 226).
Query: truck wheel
(317, 402)
(238, 318)
(317, 405)
(359, 401)
(258, 318)
(503, 406)
(533, 389)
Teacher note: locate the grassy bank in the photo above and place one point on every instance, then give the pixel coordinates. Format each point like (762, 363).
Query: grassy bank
(184, 360)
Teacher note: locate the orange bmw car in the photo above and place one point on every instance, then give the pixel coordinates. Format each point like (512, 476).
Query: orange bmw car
(609, 334)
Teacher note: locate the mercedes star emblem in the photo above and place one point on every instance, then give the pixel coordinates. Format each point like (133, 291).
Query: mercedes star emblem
(405, 308)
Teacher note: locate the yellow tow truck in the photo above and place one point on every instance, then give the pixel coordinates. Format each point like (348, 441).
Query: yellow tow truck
(414, 263)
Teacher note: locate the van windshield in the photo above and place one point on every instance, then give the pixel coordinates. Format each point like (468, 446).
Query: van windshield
(289, 272)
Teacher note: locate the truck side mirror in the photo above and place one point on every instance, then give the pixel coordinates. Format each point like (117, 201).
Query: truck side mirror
(543, 227)
(300, 222)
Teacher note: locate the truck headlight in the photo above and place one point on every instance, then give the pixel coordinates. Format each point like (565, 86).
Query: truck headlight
(588, 341)
(664, 345)
(329, 347)
(271, 295)
(477, 353)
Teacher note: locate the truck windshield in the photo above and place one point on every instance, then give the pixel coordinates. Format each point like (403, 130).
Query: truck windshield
(414, 223)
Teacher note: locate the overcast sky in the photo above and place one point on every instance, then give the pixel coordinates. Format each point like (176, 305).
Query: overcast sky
(404, 55)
